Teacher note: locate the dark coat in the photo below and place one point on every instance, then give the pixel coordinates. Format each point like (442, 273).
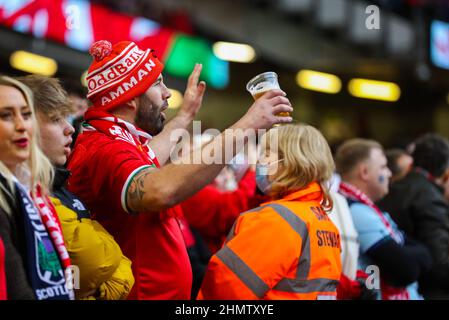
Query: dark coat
(419, 208)
(17, 283)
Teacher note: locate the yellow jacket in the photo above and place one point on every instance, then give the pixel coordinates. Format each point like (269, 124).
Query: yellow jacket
(104, 272)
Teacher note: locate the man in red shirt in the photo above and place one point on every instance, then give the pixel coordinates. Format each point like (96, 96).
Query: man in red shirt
(116, 173)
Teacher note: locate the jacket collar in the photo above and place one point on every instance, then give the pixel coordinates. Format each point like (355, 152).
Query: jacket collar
(427, 176)
(311, 192)
(61, 176)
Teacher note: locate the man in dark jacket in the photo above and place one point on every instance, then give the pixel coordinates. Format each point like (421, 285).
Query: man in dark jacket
(418, 206)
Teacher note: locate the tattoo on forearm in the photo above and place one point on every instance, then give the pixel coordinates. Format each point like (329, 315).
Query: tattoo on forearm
(137, 190)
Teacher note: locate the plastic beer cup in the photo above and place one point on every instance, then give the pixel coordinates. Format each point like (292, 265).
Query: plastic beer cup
(262, 83)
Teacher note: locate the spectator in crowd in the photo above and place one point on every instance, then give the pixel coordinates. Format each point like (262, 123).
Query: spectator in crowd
(399, 162)
(36, 259)
(261, 258)
(364, 172)
(419, 207)
(105, 273)
(118, 168)
(76, 116)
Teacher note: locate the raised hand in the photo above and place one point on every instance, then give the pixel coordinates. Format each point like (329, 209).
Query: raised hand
(193, 96)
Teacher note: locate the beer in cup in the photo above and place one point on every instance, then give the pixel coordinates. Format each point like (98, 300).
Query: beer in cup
(262, 83)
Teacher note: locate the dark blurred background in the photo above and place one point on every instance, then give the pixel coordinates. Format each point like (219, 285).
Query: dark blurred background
(403, 43)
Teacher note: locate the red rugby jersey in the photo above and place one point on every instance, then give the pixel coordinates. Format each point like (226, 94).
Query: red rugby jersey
(102, 168)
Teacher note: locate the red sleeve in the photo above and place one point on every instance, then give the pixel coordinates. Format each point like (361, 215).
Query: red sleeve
(109, 170)
(247, 184)
(213, 212)
(347, 288)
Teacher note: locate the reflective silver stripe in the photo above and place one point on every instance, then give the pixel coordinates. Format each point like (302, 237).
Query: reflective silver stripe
(326, 297)
(301, 228)
(298, 285)
(307, 286)
(243, 272)
(301, 284)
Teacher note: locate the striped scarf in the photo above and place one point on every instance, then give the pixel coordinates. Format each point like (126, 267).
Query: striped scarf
(47, 261)
(104, 122)
(352, 193)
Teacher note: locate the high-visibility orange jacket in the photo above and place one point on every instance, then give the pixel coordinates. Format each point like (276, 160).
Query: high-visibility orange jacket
(284, 249)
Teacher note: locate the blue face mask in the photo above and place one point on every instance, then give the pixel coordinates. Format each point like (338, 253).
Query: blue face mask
(262, 177)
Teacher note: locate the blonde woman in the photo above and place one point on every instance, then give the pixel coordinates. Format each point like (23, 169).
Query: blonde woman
(35, 255)
(286, 248)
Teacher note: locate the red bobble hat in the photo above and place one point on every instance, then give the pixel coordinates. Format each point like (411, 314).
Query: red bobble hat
(120, 73)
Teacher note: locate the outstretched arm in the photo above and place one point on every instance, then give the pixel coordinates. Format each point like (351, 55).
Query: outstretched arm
(156, 189)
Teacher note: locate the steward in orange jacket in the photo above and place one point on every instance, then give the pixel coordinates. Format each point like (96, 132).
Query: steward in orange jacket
(285, 249)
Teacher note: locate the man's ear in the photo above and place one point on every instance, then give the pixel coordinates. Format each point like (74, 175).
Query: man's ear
(363, 171)
(126, 111)
(132, 104)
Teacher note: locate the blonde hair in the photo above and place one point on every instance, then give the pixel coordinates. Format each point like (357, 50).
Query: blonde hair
(38, 167)
(306, 158)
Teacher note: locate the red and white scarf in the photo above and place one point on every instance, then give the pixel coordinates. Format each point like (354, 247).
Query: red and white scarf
(353, 193)
(41, 222)
(102, 121)
(51, 221)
